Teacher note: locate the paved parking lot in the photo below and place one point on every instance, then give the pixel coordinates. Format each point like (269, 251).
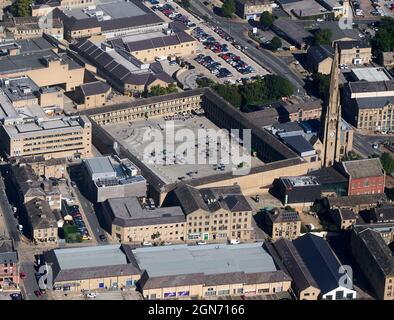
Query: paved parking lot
(194, 22)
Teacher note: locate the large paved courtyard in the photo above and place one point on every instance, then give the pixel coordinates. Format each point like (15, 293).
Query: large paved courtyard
(198, 150)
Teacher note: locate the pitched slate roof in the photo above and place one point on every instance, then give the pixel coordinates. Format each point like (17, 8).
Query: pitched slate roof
(321, 52)
(379, 251)
(364, 168)
(7, 252)
(294, 264)
(94, 88)
(211, 199)
(164, 41)
(320, 260)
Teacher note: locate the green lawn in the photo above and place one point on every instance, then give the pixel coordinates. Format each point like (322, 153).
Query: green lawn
(71, 233)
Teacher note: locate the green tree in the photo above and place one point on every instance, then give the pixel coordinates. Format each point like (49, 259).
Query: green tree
(387, 162)
(228, 8)
(185, 4)
(275, 44)
(254, 93)
(230, 93)
(278, 87)
(321, 83)
(322, 36)
(205, 82)
(21, 8)
(266, 20)
(384, 39)
(159, 90)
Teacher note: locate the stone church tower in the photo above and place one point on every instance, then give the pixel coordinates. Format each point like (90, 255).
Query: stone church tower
(332, 119)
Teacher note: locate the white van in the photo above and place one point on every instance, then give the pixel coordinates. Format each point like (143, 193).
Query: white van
(234, 241)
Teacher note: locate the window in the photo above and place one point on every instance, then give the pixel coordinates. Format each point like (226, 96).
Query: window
(223, 292)
(265, 290)
(339, 295)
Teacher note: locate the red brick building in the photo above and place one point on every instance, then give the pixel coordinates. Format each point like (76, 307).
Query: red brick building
(366, 176)
(9, 266)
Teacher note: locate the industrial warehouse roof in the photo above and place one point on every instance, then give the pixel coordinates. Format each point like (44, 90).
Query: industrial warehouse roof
(121, 15)
(99, 256)
(121, 70)
(379, 251)
(208, 259)
(294, 264)
(91, 262)
(364, 168)
(211, 199)
(128, 212)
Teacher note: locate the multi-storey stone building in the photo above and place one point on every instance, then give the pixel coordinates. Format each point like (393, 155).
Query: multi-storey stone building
(9, 266)
(369, 105)
(354, 52)
(53, 138)
(366, 176)
(215, 213)
(131, 220)
(284, 224)
(375, 260)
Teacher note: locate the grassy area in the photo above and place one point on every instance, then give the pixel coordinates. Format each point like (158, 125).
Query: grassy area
(71, 233)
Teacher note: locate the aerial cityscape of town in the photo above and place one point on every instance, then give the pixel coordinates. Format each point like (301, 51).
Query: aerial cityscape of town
(197, 150)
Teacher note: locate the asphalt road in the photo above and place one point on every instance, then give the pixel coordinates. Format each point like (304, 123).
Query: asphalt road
(91, 217)
(363, 143)
(263, 57)
(30, 283)
(8, 214)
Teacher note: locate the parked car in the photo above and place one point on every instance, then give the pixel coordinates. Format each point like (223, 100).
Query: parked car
(16, 296)
(91, 295)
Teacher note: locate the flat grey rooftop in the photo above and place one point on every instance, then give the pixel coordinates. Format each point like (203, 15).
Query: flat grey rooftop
(114, 9)
(99, 165)
(207, 259)
(90, 257)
